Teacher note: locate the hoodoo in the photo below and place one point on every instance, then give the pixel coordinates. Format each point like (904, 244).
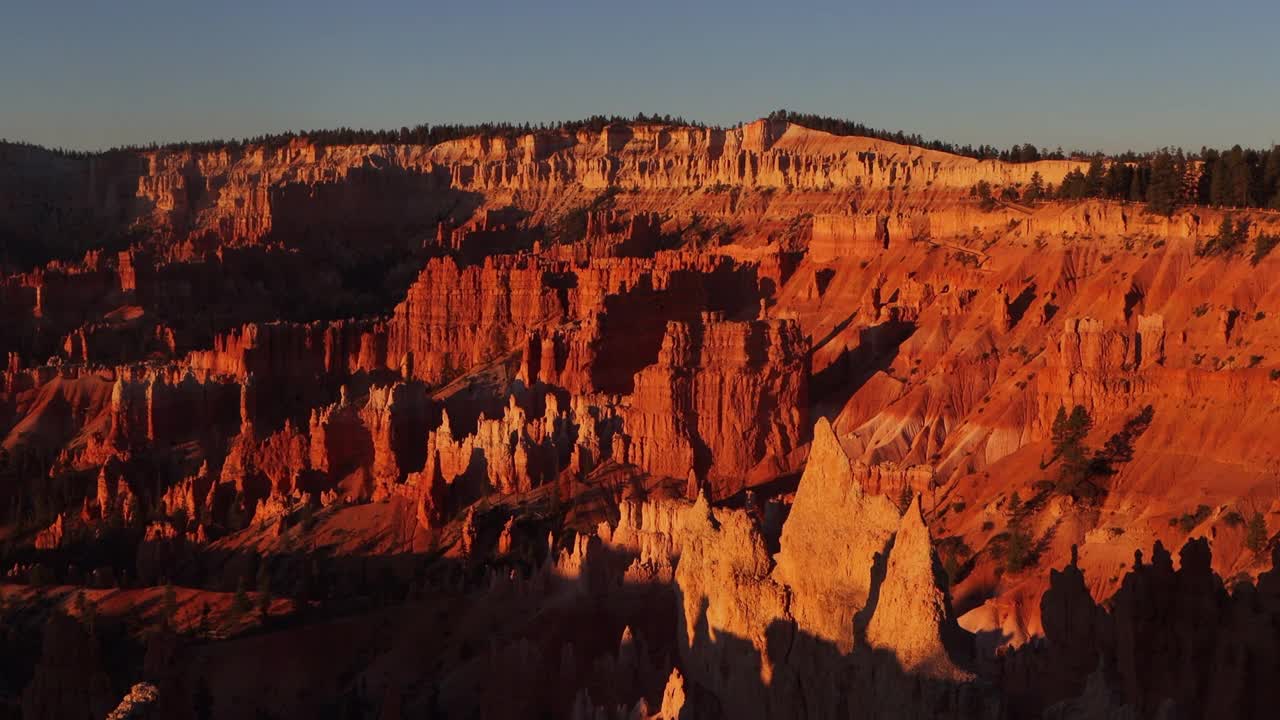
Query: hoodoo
(634, 419)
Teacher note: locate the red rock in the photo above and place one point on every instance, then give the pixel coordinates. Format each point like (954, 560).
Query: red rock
(51, 537)
(454, 317)
(69, 680)
(610, 315)
(699, 406)
(831, 541)
(912, 617)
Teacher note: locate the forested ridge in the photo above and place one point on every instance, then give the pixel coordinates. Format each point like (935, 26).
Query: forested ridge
(1164, 179)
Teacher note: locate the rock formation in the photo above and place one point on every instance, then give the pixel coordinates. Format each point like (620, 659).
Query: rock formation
(912, 616)
(702, 422)
(833, 536)
(138, 704)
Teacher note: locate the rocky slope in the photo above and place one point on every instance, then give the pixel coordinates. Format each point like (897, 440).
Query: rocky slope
(653, 421)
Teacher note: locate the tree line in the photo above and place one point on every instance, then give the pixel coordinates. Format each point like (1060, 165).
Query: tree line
(839, 126)
(424, 134)
(1236, 178)
(1164, 179)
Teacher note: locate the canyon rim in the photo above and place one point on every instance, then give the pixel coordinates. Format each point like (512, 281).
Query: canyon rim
(635, 418)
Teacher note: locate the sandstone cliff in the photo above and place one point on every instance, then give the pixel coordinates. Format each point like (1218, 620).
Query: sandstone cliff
(630, 419)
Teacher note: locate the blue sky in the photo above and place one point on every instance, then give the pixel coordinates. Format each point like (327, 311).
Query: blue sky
(1082, 74)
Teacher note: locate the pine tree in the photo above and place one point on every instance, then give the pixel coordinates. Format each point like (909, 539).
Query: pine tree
(1035, 189)
(1138, 183)
(1271, 179)
(1079, 423)
(1019, 549)
(1015, 504)
(1059, 433)
(1208, 168)
(1165, 186)
(1074, 186)
(1069, 428)
(1116, 183)
(1262, 247)
(1218, 173)
(1236, 181)
(1093, 179)
(1067, 435)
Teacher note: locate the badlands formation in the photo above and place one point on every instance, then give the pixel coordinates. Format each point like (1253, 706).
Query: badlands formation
(646, 422)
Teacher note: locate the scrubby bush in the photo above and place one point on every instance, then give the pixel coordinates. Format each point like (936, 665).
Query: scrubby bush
(1189, 521)
(1262, 247)
(1230, 237)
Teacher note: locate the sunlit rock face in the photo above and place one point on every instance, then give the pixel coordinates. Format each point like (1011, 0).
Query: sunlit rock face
(635, 420)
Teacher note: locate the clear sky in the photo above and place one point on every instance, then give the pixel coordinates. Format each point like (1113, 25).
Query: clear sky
(1081, 74)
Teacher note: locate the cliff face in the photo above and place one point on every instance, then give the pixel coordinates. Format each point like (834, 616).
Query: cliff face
(829, 630)
(456, 318)
(833, 517)
(256, 194)
(716, 366)
(721, 398)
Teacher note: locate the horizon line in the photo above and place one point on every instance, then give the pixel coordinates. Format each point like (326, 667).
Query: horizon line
(640, 118)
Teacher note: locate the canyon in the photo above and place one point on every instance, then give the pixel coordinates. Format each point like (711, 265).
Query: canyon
(649, 421)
